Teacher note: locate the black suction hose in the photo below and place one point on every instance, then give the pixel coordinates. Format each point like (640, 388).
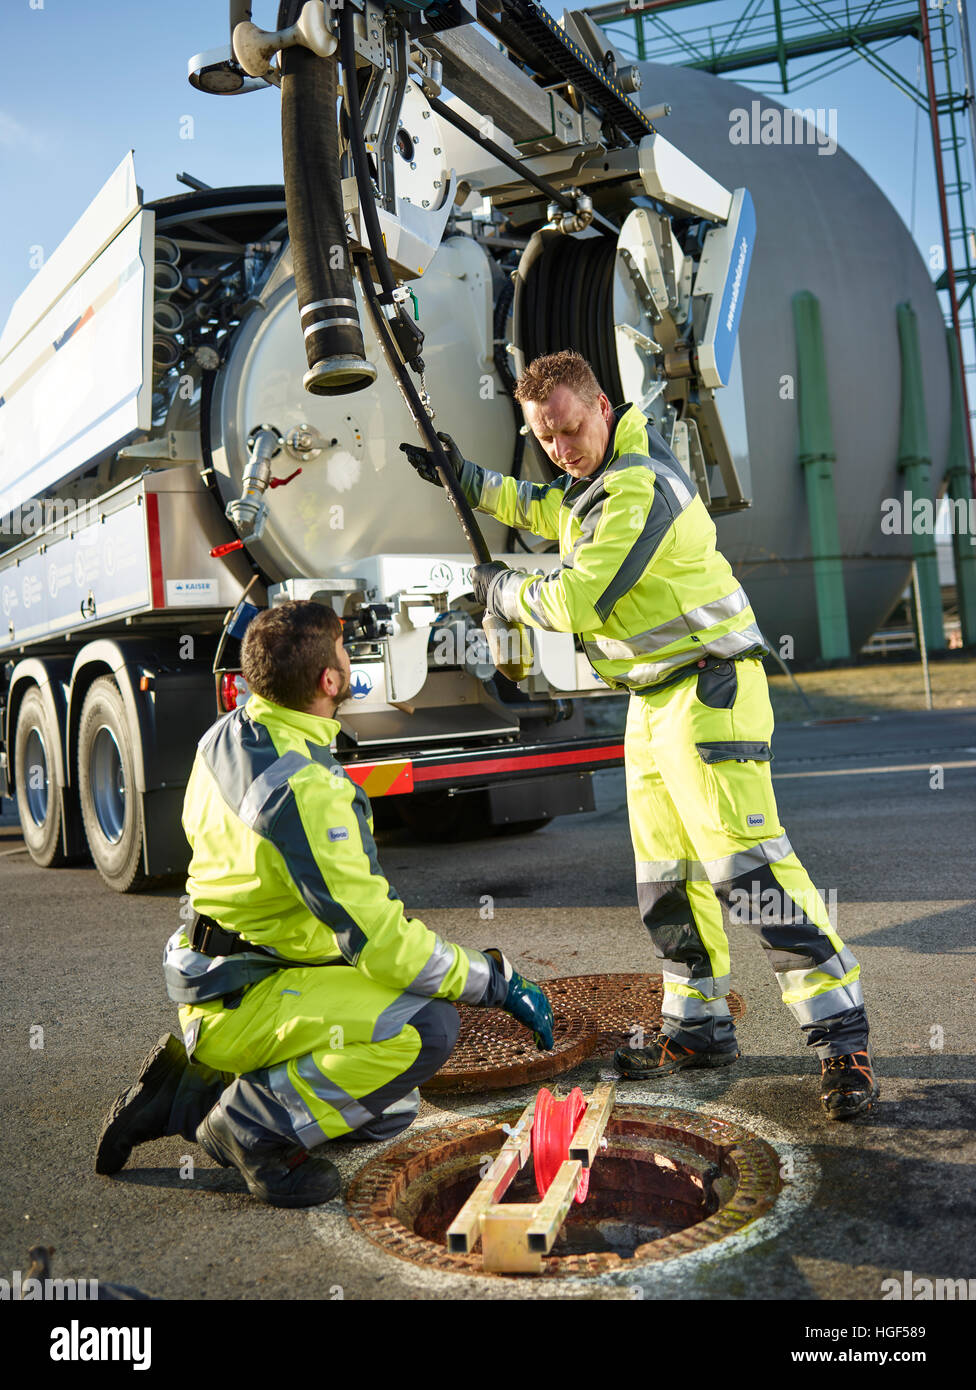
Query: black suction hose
(384, 329)
(334, 346)
(508, 643)
(367, 200)
(516, 166)
(505, 372)
(407, 335)
(461, 505)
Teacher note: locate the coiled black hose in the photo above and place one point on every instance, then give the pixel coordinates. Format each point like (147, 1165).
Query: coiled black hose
(566, 301)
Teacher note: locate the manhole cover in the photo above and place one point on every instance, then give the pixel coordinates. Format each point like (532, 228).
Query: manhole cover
(494, 1050)
(593, 1013)
(669, 1182)
(618, 1004)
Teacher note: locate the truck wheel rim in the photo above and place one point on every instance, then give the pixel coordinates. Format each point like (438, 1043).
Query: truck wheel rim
(35, 762)
(107, 780)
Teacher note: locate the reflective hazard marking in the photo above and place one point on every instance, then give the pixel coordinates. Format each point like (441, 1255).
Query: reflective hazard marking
(522, 762)
(382, 779)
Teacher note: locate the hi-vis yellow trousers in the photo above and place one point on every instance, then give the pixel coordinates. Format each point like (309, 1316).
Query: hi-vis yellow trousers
(320, 1052)
(707, 836)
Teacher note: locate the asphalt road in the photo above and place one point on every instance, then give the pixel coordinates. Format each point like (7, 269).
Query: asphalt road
(882, 813)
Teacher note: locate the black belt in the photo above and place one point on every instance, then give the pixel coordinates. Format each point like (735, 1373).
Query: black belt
(695, 667)
(211, 939)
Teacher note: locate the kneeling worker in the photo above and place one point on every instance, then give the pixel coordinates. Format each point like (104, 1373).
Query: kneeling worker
(311, 1006)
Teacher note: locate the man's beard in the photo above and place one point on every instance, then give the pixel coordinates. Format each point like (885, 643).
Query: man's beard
(342, 696)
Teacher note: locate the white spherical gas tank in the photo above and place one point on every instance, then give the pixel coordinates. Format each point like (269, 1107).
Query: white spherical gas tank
(823, 226)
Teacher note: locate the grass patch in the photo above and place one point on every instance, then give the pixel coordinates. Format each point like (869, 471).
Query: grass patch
(845, 692)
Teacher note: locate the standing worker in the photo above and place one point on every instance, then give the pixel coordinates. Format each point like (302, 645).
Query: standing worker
(311, 1007)
(660, 614)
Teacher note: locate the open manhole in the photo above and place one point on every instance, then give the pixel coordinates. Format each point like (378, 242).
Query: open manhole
(669, 1182)
(593, 1014)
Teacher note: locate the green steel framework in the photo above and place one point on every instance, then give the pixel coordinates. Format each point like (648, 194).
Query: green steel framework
(770, 32)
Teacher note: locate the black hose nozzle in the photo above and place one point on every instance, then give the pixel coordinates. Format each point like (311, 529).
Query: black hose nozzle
(337, 362)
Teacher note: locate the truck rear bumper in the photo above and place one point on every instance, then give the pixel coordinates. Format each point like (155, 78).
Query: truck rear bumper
(445, 768)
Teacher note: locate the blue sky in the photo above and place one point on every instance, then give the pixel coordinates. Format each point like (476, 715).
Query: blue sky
(85, 82)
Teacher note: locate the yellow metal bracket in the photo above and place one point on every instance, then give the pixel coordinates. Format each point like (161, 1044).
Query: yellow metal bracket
(515, 1236)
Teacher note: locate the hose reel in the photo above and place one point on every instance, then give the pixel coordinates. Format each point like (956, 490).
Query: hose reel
(564, 299)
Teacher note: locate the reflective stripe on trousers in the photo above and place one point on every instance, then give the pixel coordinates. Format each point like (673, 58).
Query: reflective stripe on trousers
(321, 1053)
(706, 835)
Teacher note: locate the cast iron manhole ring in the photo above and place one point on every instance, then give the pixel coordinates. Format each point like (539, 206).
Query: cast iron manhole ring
(494, 1050)
(710, 1178)
(618, 1004)
(593, 1014)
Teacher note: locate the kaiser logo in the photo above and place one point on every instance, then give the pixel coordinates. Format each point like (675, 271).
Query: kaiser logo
(360, 686)
(441, 574)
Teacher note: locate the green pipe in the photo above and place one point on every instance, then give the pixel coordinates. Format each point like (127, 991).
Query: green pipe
(964, 508)
(817, 458)
(915, 464)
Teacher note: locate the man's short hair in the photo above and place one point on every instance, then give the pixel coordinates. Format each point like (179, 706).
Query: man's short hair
(567, 368)
(286, 649)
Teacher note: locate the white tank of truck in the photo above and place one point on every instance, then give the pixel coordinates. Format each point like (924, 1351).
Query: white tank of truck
(133, 369)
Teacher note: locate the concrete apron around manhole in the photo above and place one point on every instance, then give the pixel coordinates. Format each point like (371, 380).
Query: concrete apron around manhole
(723, 1181)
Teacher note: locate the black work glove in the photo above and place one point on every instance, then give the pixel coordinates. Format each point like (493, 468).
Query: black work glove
(526, 1002)
(423, 459)
(481, 577)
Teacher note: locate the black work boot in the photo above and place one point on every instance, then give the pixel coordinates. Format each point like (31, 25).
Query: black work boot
(281, 1174)
(663, 1057)
(848, 1085)
(168, 1092)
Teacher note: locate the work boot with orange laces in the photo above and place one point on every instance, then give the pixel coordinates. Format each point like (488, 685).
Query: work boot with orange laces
(848, 1085)
(663, 1056)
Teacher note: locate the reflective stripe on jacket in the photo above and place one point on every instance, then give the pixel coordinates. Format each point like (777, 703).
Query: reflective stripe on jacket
(640, 578)
(283, 854)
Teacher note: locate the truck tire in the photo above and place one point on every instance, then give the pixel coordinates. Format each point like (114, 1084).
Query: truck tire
(111, 807)
(38, 788)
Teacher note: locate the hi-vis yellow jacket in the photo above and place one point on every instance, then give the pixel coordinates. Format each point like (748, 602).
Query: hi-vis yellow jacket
(283, 854)
(640, 579)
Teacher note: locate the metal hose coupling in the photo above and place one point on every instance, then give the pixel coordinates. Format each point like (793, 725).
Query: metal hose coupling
(249, 512)
(572, 222)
